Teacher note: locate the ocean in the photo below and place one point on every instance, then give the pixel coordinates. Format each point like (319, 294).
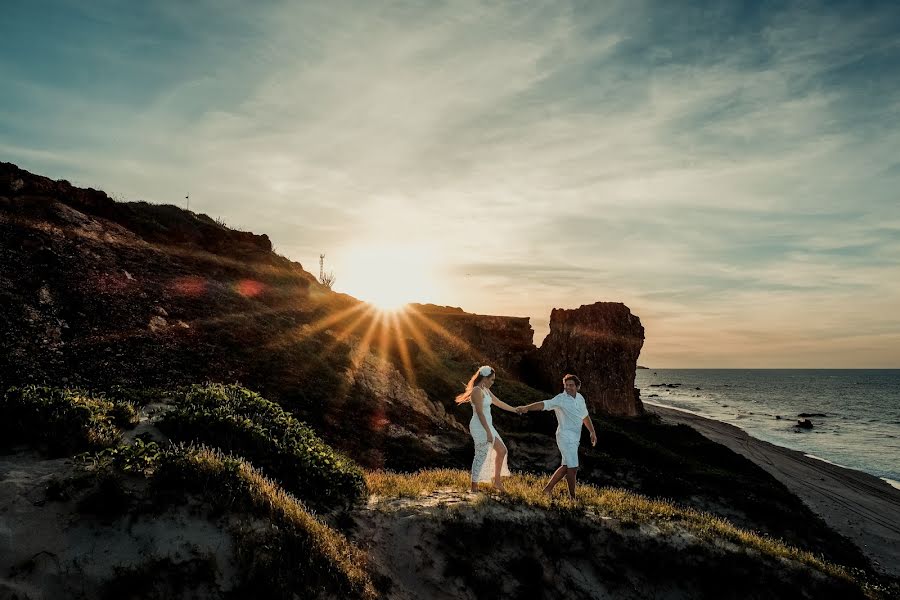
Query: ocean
(856, 420)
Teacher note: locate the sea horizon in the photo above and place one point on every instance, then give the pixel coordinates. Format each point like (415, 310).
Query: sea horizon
(855, 413)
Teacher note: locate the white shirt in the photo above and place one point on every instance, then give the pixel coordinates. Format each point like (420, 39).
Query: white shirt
(570, 412)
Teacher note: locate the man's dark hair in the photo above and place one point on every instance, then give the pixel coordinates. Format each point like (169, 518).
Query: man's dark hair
(574, 378)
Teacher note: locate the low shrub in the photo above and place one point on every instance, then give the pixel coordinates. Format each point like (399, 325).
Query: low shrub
(242, 423)
(62, 421)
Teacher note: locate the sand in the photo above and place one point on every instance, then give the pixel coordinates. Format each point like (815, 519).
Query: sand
(48, 549)
(859, 506)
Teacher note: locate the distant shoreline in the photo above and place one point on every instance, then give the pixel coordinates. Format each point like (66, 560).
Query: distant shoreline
(860, 506)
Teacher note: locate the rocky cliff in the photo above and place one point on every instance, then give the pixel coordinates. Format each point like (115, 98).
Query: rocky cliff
(600, 343)
(98, 293)
(503, 341)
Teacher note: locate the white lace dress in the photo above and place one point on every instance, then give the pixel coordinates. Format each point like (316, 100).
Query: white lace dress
(485, 454)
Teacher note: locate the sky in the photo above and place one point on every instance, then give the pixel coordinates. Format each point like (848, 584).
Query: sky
(728, 170)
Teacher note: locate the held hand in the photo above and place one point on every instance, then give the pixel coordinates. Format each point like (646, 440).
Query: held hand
(520, 410)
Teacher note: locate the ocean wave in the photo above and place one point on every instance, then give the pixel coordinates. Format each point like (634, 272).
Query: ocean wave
(825, 460)
(891, 482)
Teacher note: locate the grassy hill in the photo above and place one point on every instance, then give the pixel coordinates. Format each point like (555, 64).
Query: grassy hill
(175, 391)
(215, 491)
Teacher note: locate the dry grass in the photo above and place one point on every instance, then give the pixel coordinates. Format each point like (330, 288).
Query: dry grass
(331, 544)
(624, 506)
(324, 548)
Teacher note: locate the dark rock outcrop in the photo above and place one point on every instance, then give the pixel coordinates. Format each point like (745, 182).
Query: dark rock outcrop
(600, 343)
(503, 341)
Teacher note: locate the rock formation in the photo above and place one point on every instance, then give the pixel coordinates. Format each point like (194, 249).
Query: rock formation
(600, 343)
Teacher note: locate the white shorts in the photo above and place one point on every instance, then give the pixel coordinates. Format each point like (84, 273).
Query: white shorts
(568, 447)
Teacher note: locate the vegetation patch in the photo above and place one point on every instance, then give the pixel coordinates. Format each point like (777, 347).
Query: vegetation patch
(62, 421)
(243, 423)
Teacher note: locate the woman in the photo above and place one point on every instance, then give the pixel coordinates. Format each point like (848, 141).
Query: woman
(490, 451)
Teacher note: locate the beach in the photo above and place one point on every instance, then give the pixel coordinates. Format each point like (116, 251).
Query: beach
(859, 506)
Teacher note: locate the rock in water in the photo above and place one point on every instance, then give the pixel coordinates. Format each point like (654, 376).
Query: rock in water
(804, 424)
(600, 343)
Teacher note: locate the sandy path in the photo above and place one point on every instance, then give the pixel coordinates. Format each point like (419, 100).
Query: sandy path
(857, 505)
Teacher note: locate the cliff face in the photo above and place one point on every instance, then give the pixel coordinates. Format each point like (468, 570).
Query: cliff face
(600, 343)
(503, 341)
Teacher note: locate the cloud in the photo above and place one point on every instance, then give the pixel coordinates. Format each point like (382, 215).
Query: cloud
(728, 170)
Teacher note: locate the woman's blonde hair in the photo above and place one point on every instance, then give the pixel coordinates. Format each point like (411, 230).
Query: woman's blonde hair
(475, 380)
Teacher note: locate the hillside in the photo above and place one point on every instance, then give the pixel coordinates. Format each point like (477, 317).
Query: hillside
(125, 326)
(212, 491)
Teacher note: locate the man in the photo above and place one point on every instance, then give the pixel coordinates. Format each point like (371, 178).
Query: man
(571, 413)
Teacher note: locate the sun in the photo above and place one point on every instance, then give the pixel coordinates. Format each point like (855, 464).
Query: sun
(387, 300)
(388, 275)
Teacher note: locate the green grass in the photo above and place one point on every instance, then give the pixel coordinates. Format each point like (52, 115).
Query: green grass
(243, 423)
(62, 421)
(619, 504)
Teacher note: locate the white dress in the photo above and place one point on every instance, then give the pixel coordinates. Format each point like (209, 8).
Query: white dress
(485, 454)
